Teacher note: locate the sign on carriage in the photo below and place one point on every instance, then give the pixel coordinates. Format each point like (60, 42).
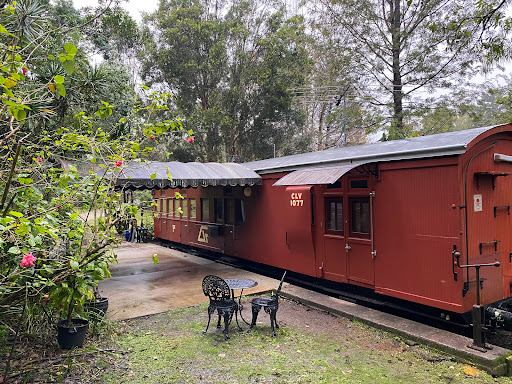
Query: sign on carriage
(296, 200)
(203, 234)
(477, 203)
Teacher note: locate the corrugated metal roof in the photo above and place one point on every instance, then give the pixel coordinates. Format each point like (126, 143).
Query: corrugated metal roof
(443, 144)
(309, 176)
(150, 175)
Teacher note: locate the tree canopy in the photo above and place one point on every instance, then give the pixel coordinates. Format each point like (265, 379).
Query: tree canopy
(231, 70)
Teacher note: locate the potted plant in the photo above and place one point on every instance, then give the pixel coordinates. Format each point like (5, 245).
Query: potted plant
(73, 289)
(98, 306)
(81, 260)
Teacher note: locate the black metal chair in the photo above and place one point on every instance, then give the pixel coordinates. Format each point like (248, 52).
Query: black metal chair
(270, 305)
(219, 294)
(142, 233)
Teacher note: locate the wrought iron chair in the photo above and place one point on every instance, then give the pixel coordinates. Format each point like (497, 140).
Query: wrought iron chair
(270, 305)
(219, 294)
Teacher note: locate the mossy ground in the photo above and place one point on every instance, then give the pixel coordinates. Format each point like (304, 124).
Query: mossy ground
(311, 347)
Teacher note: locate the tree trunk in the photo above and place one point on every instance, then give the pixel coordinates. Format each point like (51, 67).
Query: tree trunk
(397, 126)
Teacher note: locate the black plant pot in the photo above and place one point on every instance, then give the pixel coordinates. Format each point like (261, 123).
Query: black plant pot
(98, 306)
(73, 336)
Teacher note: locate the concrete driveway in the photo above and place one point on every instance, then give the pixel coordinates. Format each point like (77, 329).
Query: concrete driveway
(139, 287)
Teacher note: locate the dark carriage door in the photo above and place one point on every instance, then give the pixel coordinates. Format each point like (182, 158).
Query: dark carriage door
(358, 227)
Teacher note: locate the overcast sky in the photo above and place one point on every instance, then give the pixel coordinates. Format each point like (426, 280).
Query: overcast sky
(135, 7)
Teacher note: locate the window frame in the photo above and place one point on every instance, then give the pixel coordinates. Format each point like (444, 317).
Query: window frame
(190, 209)
(205, 202)
(351, 200)
(338, 200)
(217, 210)
(184, 208)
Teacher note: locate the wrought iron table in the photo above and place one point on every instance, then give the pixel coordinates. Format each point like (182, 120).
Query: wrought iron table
(240, 283)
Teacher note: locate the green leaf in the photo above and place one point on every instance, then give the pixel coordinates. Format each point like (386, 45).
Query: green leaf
(14, 250)
(10, 83)
(15, 214)
(70, 49)
(59, 79)
(69, 67)
(20, 114)
(155, 258)
(51, 57)
(25, 180)
(61, 91)
(73, 264)
(153, 176)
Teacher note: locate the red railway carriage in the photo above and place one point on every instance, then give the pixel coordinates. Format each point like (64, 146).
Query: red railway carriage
(388, 216)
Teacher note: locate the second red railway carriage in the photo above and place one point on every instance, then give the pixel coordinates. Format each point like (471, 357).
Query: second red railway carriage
(388, 216)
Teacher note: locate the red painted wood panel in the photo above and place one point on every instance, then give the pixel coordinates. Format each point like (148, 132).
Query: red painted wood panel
(264, 235)
(416, 219)
(483, 227)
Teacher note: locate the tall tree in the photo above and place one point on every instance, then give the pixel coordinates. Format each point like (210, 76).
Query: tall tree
(188, 56)
(403, 47)
(230, 70)
(268, 56)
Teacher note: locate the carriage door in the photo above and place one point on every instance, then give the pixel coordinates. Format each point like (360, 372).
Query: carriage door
(357, 228)
(164, 212)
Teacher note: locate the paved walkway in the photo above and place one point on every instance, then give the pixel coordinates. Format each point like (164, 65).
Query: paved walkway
(139, 287)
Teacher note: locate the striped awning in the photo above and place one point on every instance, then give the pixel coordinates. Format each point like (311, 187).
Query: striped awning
(174, 174)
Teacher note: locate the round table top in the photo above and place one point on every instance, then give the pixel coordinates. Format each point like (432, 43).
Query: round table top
(240, 283)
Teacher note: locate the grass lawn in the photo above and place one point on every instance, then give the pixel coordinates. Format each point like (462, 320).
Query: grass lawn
(311, 347)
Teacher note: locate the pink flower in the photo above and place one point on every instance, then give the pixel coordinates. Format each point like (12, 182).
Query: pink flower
(24, 70)
(152, 137)
(28, 261)
(39, 160)
(118, 163)
(46, 297)
(190, 139)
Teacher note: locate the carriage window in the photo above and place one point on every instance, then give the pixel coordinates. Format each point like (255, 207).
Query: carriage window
(234, 211)
(192, 208)
(359, 184)
(219, 210)
(230, 211)
(184, 207)
(165, 208)
(159, 205)
(335, 185)
(360, 216)
(334, 214)
(205, 210)
(239, 211)
(171, 207)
